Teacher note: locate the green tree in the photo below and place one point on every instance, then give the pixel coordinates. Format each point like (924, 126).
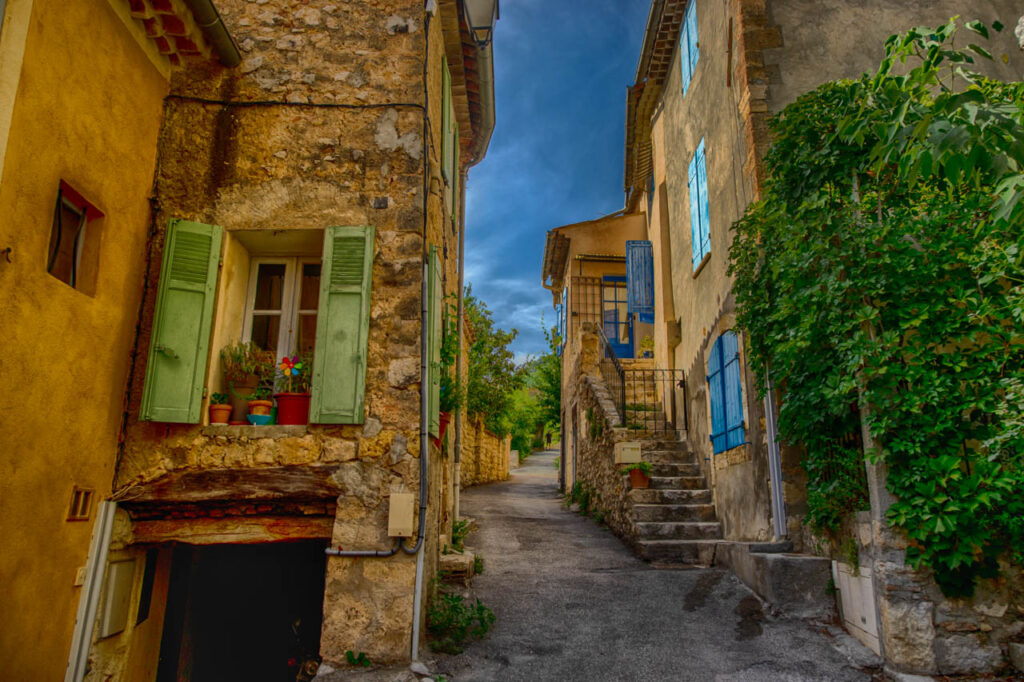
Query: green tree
(546, 377)
(492, 376)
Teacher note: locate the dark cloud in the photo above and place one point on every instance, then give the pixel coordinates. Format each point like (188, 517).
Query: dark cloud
(561, 72)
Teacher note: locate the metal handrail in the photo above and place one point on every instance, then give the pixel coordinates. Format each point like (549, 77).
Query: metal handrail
(608, 354)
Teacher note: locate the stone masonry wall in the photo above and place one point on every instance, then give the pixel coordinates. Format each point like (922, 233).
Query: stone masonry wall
(485, 457)
(322, 124)
(599, 430)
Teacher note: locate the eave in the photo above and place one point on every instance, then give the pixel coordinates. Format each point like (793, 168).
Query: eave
(656, 57)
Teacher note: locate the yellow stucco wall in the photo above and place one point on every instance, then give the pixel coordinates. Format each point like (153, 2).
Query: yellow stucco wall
(87, 110)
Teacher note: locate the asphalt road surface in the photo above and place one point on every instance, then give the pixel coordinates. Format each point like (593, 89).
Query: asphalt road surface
(573, 603)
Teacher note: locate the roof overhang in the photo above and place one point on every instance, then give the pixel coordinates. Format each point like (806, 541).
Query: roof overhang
(556, 254)
(472, 71)
(185, 29)
(659, 47)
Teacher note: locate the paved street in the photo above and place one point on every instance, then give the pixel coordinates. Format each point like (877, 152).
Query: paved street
(573, 603)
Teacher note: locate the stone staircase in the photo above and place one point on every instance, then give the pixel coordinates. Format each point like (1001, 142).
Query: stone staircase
(674, 520)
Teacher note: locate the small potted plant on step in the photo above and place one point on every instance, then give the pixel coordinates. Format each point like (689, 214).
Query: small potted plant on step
(220, 408)
(639, 474)
(245, 367)
(647, 347)
(260, 405)
(294, 377)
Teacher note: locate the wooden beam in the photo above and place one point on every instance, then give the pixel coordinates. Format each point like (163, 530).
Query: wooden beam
(296, 483)
(234, 530)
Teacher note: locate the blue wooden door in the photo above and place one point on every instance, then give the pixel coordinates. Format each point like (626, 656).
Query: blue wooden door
(615, 316)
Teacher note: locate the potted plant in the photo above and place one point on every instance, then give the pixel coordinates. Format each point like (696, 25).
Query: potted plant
(450, 389)
(245, 367)
(293, 402)
(260, 405)
(639, 474)
(647, 347)
(450, 401)
(220, 408)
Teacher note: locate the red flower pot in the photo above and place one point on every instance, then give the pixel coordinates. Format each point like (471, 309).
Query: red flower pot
(443, 420)
(292, 408)
(638, 479)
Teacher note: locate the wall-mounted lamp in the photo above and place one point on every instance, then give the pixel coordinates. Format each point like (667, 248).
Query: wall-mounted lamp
(480, 17)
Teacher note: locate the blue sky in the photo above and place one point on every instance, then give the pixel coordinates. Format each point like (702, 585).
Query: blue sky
(561, 72)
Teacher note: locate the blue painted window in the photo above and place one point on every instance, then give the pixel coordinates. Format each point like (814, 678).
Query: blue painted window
(688, 46)
(726, 393)
(700, 229)
(640, 280)
(615, 316)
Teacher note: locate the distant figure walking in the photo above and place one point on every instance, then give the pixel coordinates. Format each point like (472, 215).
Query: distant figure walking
(549, 439)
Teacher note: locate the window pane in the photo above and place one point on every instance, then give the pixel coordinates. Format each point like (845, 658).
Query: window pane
(63, 243)
(269, 287)
(306, 337)
(309, 288)
(265, 330)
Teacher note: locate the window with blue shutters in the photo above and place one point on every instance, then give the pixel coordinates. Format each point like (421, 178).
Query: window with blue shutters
(726, 393)
(700, 228)
(640, 280)
(688, 46)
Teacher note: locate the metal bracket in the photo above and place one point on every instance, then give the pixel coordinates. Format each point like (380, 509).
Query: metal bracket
(7, 254)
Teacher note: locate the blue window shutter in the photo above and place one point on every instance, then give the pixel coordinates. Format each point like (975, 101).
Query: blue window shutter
(691, 30)
(694, 213)
(640, 280)
(733, 390)
(716, 398)
(684, 56)
(702, 181)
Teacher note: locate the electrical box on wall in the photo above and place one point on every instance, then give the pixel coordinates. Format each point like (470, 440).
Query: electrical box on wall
(117, 595)
(627, 453)
(400, 515)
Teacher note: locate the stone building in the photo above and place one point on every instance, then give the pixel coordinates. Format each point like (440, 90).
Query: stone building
(292, 174)
(709, 77)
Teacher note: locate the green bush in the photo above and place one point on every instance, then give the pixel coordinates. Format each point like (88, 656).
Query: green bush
(450, 621)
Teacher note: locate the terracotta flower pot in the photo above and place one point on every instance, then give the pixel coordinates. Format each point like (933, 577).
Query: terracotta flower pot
(292, 408)
(220, 414)
(638, 479)
(260, 406)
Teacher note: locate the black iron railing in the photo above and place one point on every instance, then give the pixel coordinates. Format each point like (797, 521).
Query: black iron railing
(612, 373)
(649, 402)
(646, 399)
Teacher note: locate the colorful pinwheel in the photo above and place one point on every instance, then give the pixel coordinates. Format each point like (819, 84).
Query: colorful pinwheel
(290, 367)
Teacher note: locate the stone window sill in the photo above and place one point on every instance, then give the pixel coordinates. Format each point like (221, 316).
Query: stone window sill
(274, 431)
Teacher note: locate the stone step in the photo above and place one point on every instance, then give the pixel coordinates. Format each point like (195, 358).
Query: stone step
(692, 552)
(669, 457)
(654, 496)
(675, 468)
(664, 445)
(678, 482)
(679, 530)
(673, 512)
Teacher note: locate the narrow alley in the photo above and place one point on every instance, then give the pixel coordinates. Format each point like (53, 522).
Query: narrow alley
(573, 603)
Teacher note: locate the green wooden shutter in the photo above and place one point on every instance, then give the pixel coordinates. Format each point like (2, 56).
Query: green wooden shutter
(435, 293)
(456, 178)
(180, 340)
(343, 326)
(446, 121)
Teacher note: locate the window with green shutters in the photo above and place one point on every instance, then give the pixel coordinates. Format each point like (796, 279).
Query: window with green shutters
(435, 293)
(337, 318)
(180, 341)
(343, 324)
(449, 143)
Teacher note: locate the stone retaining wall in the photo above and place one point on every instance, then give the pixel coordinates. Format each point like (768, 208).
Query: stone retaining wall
(485, 457)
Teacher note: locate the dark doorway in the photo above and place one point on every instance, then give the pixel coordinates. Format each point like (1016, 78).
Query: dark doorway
(243, 612)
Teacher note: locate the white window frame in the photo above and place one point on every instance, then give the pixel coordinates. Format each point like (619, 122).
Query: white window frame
(290, 311)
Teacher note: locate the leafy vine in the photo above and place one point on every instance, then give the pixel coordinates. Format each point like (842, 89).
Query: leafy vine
(883, 270)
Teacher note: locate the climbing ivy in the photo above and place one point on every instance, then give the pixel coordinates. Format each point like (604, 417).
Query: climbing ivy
(882, 273)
